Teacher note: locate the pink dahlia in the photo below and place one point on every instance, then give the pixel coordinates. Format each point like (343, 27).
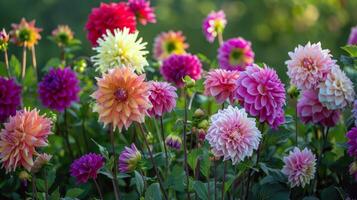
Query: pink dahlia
(299, 167)
(109, 16)
(235, 54)
(310, 110)
(24, 132)
(221, 84)
(10, 98)
(176, 67)
(352, 142)
(262, 94)
(309, 65)
(143, 12)
(162, 97)
(86, 167)
(232, 134)
(214, 25)
(352, 40)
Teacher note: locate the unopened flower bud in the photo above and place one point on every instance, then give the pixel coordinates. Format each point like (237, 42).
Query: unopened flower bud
(189, 82)
(201, 134)
(4, 40)
(150, 138)
(40, 161)
(293, 92)
(199, 113)
(24, 176)
(173, 141)
(353, 170)
(80, 65)
(203, 124)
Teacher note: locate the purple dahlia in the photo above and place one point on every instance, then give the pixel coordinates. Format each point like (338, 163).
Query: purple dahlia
(129, 159)
(86, 167)
(10, 98)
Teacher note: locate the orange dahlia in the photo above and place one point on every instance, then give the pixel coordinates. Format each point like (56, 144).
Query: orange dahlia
(24, 132)
(122, 97)
(25, 33)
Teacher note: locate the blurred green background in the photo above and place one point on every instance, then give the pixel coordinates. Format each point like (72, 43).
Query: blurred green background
(274, 26)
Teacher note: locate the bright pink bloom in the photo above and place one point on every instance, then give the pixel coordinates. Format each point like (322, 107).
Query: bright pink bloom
(352, 142)
(310, 110)
(214, 24)
(262, 94)
(299, 167)
(143, 12)
(233, 135)
(109, 17)
(221, 84)
(162, 97)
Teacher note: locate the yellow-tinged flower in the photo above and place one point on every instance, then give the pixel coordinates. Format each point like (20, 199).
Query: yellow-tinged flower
(25, 33)
(168, 43)
(121, 49)
(122, 97)
(62, 35)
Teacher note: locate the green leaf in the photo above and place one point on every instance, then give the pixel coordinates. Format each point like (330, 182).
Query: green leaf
(201, 190)
(15, 66)
(40, 185)
(139, 181)
(153, 192)
(192, 158)
(330, 193)
(175, 180)
(205, 165)
(102, 149)
(74, 192)
(55, 195)
(351, 49)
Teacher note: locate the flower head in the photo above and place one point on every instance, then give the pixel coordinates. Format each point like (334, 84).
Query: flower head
(176, 67)
(232, 134)
(109, 16)
(86, 167)
(168, 43)
(24, 132)
(62, 35)
(25, 33)
(352, 142)
(299, 166)
(173, 141)
(336, 92)
(122, 97)
(221, 84)
(310, 110)
(4, 40)
(262, 94)
(352, 39)
(143, 12)
(121, 49)
(59, 89)
(354, 111)
(214, 24)
(309, 65)
(129, 159)
(41, 160)
(162, 97)
(10, 98)
(235, 54)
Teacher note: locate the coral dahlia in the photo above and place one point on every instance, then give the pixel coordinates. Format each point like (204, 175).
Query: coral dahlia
(25, 33)
(309, 65)
(352, 142)
(235, 54)
(109, 16)
(86, 167)
(162, 97)
(262, 94)
(143, 12)
(122, 97)
(221, 84)
(299, 167)
(168, 43)
(176, 67)
(24, 132)
(10, 98)
(214, 24)
(233, 134)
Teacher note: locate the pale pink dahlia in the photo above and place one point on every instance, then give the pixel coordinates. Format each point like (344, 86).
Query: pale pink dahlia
(233, 135)
(262, 94)
(24, 132)
(299, 167)
(221, 84)
(214, 24)
(143, 12)
(309, 65)
(162, 97)
(235, 54)
(310, 110)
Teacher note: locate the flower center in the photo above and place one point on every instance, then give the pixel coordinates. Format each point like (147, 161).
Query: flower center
(170, 46)
(53, 82)
(121, 94)
(218, 25)
(236, 57)
(308, 63)
(25, 35)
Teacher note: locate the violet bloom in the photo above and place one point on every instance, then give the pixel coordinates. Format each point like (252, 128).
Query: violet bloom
(129, 159)
(59, 89)
(352, 40)
(10, 98)
(214, 25)
(173, 141)
(352, 142)
(86, 167)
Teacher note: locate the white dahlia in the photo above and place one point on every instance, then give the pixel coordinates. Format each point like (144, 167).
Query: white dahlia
(337, 91)
(120, 49)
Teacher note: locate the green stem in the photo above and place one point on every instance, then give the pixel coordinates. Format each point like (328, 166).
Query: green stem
(163, 141)
(34, 190)
(115, 170)
(98, 189)
(7, 63)
(224, 177)
(34, 61)
(46, 184)
(66, 134)
(185, 145)
(296, 126)
(23, 71)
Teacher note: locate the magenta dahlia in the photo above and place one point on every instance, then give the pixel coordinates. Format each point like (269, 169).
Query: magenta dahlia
(310, 110)
(143, 12)
(221, 84)
(352, 39)
(262, 94)
(86, 167)
(299, 167)
(10, 98)
(176, 67)
(233, 135)
(59, 89)
(109, 16)
(352, 142)
(214, 24)
(235, 54)
(162, 97)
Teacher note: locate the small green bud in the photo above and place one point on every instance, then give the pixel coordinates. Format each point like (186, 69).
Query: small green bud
(293, 92)
(199, 113)
(80, 65)
(150, 138)
(189, 82)
(203, 124)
